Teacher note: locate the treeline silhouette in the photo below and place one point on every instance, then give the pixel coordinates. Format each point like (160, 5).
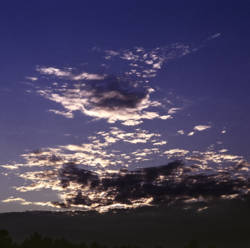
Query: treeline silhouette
(35, 240)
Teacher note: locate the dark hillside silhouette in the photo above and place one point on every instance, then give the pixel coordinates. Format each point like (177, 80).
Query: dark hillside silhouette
(35, 240)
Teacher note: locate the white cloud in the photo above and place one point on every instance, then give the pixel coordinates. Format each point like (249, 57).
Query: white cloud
(144, 63)
(160, 143)
(22, 201)
(32, 78)
(88, 76)
(201, 127)
(176, 152)
(54, 71)
(181, 132)
(67, 73)
(173, 110)
(10, 166)
(65, 114)
(190, 133)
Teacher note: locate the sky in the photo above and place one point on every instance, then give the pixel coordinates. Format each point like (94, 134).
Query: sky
(98, 97)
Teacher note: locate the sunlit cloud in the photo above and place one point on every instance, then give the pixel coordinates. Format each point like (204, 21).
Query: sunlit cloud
(201, 127)
(67, 73)
(145, 63)
(176, 152)
(181, 132)
(173, 110)
(10, 166)
(109, 169)
(113, 99)
(32, 78)
(54, 71)
(65, 114)
(83, 177)
(24, 202)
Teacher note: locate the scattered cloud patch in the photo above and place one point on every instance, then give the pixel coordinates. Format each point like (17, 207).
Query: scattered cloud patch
(214, 36)
(202, 127)
(181, 132)
(145, 63)
(32, 78)
(67, 73)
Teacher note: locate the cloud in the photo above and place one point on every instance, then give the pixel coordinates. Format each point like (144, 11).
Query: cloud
(88, 76)
(65, 114)
(201, 127)
(67, 73)
(124, 98)
(173, 110)
(160, 143)
(148, 186)
(213, 157)
(145, 63)
(24, 202)
(54, 71)
(32, 78)
(98, 154)
(214, 36)
(88, 177)
(113, 98)
(10, 166)
(198, 128)
(176, 152)
(181, 132)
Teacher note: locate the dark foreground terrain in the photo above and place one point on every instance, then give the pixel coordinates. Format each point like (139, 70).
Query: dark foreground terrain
(223, 224)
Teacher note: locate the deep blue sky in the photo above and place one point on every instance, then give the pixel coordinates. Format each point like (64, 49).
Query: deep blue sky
(209, 84)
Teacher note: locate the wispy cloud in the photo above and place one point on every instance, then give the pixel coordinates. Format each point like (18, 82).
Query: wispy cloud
(24, 202)
(32, 78)
(214, 36)
(67, 73)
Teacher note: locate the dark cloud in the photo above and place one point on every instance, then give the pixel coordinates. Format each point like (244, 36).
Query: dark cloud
(164, 184)
(71, 173)
(116, 93)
